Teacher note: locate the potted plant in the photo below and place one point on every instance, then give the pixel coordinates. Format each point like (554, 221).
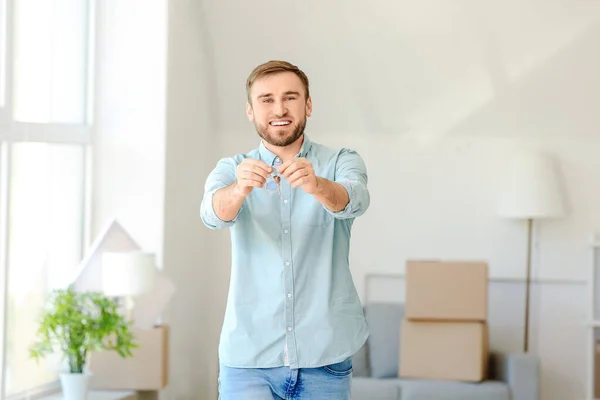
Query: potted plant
(78, 323)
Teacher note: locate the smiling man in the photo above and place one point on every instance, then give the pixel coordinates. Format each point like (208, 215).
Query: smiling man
(293, 319)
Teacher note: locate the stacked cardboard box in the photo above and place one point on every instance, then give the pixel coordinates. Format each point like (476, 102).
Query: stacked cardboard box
(444, 334)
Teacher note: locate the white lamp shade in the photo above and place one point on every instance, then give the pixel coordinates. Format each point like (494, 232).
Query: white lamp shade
(531, 188)
(128, 273)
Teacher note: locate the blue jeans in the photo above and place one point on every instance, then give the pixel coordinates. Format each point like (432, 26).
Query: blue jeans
(331, 382)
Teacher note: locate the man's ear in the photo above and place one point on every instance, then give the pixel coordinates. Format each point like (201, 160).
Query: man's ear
(308, 107)
(249, 112)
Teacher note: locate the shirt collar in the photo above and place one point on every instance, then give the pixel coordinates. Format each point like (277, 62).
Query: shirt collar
(269, 157)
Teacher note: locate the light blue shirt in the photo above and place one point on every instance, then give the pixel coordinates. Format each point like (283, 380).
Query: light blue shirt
(290, 278)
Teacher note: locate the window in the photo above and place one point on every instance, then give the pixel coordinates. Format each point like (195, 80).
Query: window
(45, 138)
(49, 61)
(3, 58)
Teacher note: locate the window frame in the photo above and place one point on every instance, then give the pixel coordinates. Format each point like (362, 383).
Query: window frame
(12, 132)
(5, 66)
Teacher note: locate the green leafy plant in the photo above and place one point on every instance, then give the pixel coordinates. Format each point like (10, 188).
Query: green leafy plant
(78, 323)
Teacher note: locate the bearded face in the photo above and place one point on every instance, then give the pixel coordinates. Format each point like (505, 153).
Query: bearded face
(279, 108)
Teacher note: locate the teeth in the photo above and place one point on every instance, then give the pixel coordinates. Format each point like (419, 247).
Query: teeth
(280, 123)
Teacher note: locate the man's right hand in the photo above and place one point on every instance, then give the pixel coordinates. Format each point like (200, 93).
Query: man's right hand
(250, 174)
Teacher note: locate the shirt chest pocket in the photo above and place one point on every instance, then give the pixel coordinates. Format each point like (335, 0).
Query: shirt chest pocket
(309, 212)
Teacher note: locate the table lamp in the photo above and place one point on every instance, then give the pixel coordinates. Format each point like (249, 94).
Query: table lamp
(530, 191)
(128, 274)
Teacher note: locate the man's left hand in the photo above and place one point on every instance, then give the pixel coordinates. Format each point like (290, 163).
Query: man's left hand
(299, 172)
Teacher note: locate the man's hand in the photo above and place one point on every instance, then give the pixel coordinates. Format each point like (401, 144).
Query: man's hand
(250, 174)
(299, 172)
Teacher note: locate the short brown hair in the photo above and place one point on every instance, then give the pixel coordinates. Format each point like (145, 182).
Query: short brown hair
(273, 67)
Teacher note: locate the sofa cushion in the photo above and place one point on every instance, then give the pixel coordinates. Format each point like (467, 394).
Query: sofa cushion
(360, 364)
(384, 321)
(375, 389)
(414, 389)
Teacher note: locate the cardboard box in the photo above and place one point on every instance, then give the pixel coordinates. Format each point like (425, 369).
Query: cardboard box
(446, 290)
(444, 350)
(146, 370)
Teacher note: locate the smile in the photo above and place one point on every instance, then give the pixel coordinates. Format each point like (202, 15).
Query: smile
(280, 123)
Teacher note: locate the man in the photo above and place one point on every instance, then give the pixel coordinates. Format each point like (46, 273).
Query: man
(293, 319)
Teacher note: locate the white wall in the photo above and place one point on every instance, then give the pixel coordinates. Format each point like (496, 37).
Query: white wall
(129, 142)
(191, 259)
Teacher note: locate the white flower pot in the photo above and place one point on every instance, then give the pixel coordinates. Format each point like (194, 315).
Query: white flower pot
(75, 386)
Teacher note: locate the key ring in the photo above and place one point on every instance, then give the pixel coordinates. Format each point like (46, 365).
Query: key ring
(273, 183)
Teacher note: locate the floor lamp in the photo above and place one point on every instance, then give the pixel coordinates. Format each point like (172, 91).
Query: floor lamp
(530, 191)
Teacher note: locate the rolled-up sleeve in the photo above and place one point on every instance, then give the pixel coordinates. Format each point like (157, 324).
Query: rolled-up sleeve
(351, 173)
(221, 176)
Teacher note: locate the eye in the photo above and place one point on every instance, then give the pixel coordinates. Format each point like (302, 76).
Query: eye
(290, 98)
(266, 100)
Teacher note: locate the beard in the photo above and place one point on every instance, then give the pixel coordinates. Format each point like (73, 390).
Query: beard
(281, 137)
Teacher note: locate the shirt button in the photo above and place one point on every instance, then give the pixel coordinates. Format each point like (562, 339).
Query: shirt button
(289, 295)
(286, 231)
(287, 263)
(285, 201)
(289, 328)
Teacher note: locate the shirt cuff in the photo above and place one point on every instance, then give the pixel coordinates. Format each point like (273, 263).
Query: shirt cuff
(209, 216)
(347, 211)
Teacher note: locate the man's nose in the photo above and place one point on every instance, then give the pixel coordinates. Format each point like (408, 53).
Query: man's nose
(280, 109)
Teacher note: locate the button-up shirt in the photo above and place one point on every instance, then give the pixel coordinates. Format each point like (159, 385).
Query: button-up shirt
(291, 288)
